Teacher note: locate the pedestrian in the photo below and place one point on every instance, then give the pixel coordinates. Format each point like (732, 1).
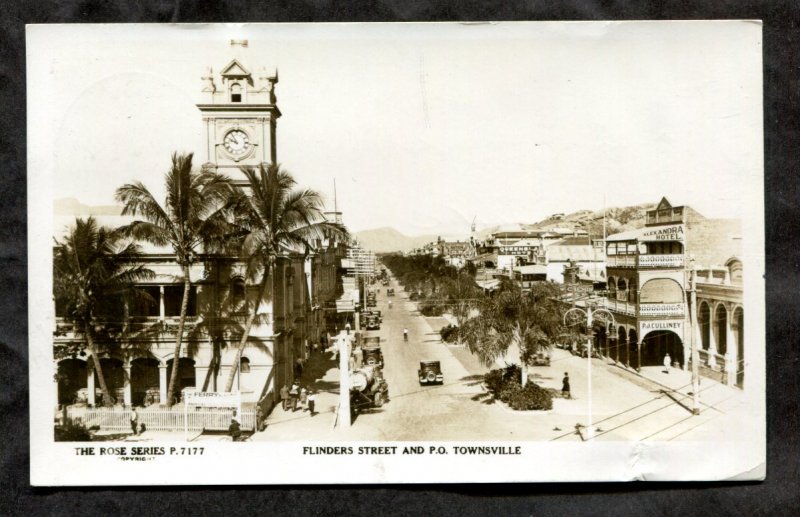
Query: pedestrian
(359, 356)
(285, 397)
(303, 398)
(134, 421)
(235, 429)
(312, 398)
(293, 394)
(315, 347)
(667, 363)
(347, 329)
(565, 387)
(405, 334)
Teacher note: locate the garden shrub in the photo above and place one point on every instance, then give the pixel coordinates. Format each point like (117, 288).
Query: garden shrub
(430, 308)
(505, 385)
(449, 334)
(72, 432)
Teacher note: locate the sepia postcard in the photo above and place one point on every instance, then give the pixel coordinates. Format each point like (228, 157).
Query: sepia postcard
(396, 253)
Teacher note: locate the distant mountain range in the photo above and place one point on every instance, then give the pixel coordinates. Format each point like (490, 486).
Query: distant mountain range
(71, 206)
(617, 219)
(384, 240)
(387, 239)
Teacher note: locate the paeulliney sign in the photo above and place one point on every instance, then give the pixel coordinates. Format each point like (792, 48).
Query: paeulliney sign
(668, 233)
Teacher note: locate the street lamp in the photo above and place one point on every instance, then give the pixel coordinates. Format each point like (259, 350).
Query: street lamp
(576, 315)
(695, 354)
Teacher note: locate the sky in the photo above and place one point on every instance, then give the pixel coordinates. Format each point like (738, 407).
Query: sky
(423, 126)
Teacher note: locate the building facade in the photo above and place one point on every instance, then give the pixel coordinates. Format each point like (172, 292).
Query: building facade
(648, 279)
(239, 115)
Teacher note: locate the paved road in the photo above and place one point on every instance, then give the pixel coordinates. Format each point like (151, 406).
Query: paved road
(624, 406)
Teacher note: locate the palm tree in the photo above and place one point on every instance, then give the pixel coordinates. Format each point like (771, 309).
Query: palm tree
(195, 217)
(528, 320)
(93, 269)
(461, 295)
(276, 220)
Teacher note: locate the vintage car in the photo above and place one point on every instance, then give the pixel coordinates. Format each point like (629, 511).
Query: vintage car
(430, 372)
(373, 322)
(582, 350)
(372, 355)
(541, 358)
(390, 292)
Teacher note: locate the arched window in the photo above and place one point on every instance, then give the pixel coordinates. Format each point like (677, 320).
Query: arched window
(661, 290)
(721, 324)
(704, 320)
(236, 92)
(735, 271)
(244, 365)
(238, 291)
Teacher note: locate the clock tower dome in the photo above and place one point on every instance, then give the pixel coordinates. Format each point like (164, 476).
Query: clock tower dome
(240, 112)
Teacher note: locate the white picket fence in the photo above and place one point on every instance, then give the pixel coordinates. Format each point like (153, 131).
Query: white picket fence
(161, 419)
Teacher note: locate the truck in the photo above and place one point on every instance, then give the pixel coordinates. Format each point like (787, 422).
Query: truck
(368, 389)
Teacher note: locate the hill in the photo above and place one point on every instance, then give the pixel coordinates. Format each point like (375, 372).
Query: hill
(617, 219)
(384, 240)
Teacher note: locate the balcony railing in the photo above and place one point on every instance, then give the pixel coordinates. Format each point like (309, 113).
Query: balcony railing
(621, 307)
(662, 309)
(645, 261)
(660, 261)
(621, 260)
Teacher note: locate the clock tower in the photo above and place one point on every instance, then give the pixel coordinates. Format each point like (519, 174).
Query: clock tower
(240, 112)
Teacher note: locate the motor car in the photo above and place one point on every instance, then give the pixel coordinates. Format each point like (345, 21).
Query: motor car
(372, 355)
(541, 358)
(430, 372)
(582, 350)
(390, 292)
(373, 322)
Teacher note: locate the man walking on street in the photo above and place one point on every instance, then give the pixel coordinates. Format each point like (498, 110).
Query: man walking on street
(294, 393)
(565, 387)
(134, 421)
(312, 398)
(285, 397)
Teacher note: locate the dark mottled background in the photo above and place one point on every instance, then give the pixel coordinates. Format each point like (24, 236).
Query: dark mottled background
(779, 495)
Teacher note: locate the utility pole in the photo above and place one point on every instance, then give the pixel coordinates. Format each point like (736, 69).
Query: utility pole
(589, 428)
(693, 341)
(343, 343)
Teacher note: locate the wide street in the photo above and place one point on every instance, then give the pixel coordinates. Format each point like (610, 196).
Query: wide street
(625, 405)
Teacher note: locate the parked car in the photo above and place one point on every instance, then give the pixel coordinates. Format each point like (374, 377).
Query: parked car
(541, 358)
(373, 322)
(582, 350)
(430, 372)
(372, 355)
(390, 292)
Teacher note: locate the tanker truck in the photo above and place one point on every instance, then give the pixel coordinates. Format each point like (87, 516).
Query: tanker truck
(368, 388)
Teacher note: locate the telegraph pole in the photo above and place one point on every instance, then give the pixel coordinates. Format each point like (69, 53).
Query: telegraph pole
(343, 342)
(693, 341)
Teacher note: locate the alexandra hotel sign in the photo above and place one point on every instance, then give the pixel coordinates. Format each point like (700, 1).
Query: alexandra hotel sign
(670, 233)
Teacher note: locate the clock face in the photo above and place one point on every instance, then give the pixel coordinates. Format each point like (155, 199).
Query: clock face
(236, 142)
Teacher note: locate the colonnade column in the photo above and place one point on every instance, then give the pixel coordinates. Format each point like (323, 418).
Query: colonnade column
(126, 391)
(162, 384)
(731, 352)
(55, 385)
(712, 341)
(90, 382)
